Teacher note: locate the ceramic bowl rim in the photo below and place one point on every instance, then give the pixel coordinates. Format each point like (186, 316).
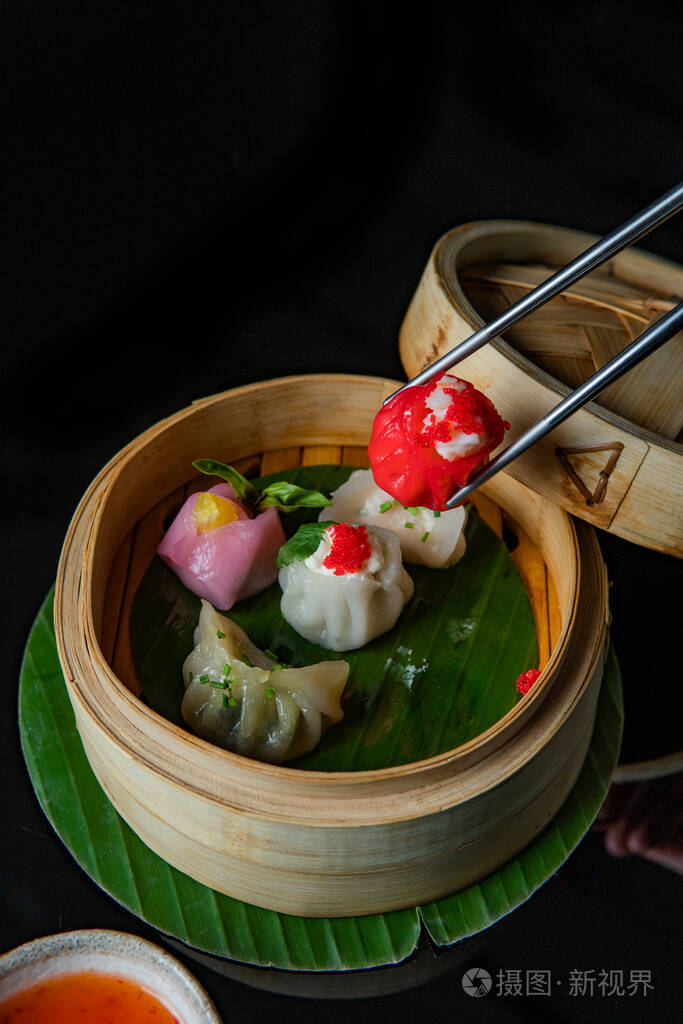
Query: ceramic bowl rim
(177, 981)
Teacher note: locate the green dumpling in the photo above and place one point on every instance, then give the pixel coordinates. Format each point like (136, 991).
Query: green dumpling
(239, 698)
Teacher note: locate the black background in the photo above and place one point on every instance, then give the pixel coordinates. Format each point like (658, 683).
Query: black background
(198, 196)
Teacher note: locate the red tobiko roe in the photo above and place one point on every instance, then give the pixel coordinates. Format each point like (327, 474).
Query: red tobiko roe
(527, 680)
(407, 430)
(350, 549)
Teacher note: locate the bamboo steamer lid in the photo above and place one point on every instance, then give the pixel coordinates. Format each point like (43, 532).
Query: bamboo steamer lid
(617, 462)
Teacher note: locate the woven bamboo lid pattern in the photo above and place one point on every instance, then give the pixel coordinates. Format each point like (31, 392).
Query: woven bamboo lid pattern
(616, 463)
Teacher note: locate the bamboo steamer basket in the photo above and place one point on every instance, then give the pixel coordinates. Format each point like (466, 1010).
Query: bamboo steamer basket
(302, 842)
(617, 462)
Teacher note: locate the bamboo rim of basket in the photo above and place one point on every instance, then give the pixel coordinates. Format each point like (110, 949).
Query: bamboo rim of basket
(97, 691)
(634, 264)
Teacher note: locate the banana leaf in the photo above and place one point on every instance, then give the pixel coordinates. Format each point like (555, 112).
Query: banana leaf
(117, 860)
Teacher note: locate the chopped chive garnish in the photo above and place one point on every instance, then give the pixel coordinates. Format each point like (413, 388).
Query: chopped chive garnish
(191, 676)
(437, 515)
(232, 701)
(385, 506)
(227, 669)
(397, 503)
(218, 683)
(424, 536)
(413, 511)
(270, 654)
(409, 526)
(221, 636)
(204, 678)
(270, 692)
(247, 660)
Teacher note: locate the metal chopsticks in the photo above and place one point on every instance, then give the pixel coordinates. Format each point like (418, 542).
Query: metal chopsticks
(650, 340)
(628, 233)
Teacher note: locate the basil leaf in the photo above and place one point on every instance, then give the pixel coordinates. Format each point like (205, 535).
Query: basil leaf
(287, 497)
(240, 485)
(304, 542)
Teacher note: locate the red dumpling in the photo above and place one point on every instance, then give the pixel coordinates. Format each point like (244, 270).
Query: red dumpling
(429, 439)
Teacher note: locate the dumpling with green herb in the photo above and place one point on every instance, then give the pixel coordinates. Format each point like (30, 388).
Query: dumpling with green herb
(342, 584)
(435, 539)
(240, 698)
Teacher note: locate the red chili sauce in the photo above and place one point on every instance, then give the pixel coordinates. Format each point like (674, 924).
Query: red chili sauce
(95, 998)
(350, 549)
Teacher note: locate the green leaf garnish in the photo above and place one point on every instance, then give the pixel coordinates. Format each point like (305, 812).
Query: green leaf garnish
(240, 485)
(288, 497)
(304, 542)
(220, 635)
(385, 506)
(218, 684)
(282, 495)
(269, 691)
(409, 526)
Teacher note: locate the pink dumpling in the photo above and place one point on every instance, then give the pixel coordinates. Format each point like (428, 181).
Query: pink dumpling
(227, 564)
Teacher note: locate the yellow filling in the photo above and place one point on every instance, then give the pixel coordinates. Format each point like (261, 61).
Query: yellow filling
(210, 511)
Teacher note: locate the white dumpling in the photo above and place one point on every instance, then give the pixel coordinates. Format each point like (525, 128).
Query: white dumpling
(241, 699)
(427, 538)
(344, 612)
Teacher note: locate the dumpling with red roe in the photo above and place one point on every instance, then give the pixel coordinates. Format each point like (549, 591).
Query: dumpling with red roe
(342, 584)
